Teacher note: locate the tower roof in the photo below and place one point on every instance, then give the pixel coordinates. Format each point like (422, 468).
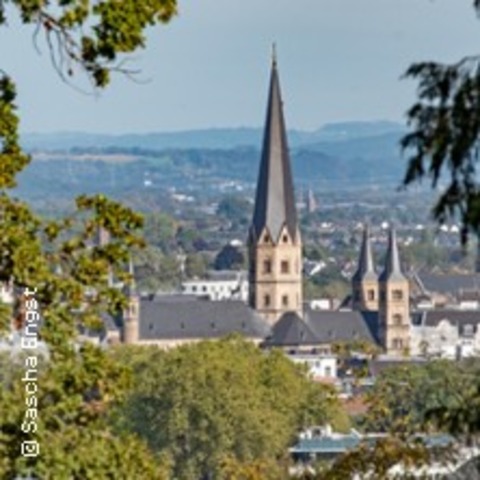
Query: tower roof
(275, 199)
(365, 268)
(392, 270)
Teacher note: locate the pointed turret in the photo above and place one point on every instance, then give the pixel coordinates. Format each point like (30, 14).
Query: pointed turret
(394, 304)
(275, 249)
(364, 280)
(275, 199)
(365, 268)
(392, 269)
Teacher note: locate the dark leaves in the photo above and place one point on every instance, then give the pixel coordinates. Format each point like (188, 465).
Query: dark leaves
(444, 141)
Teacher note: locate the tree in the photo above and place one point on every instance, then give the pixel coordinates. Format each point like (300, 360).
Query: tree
(220, 405)
(445, 136)
(57, 270)
(404, 397)
(230, 258)
(195, 265)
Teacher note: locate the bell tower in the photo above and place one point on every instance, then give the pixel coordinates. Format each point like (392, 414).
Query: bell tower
(365, 280)
(275, 246)
(131, 312)
(394, 303)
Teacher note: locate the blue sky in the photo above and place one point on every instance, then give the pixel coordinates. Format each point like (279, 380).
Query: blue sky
(339, 60)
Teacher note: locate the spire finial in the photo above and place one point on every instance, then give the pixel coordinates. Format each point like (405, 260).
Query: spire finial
(274, 54)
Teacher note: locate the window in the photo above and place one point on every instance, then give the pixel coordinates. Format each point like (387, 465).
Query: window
(328, 371)
(267, 266)
(397, 319)
(382, 296)
(266, 300)
(397, 295)
(285, 266)
(371, 295)
(285, 300)
(285, 239)
(266, 238)
(397, 343)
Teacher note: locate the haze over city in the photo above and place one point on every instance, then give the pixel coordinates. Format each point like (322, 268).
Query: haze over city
(341, 60)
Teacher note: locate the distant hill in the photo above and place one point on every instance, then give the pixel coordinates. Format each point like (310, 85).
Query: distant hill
(214, 138)
(342, 155)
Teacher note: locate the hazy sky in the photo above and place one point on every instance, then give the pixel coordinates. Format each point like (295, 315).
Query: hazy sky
(339, 60)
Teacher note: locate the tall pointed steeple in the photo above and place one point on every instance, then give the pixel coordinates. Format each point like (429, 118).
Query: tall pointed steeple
(274, 243)
(392, 269)
(275, 199)
(364, 280)
(394, 303)
(365, 268)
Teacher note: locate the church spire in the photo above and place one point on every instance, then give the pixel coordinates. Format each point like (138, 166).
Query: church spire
(392, 270)
(274, 242)
(275, 200)
(365, 268)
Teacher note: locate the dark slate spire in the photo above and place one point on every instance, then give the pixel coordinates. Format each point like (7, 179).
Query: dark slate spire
(392, 270)
(275, 200)
(365, 269)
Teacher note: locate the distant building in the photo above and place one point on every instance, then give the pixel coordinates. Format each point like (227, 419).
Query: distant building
(221, 285)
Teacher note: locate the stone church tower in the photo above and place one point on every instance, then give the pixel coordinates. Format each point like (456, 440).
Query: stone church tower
(365, 280)
(394, 303)
(131, 313)
(275, 247)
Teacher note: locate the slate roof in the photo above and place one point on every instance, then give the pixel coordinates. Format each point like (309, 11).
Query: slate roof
(431, 318)
(184, 317)
(448, 284)
(331, 326)
(322, 327)
(291, 330)
(275, 200)
(366, 269)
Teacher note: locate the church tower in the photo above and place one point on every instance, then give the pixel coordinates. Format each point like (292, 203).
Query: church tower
(275, 247)
(394, 303)
(131, 313)
(365, 280)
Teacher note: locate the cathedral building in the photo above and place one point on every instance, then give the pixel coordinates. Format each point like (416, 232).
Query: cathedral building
(378, 312)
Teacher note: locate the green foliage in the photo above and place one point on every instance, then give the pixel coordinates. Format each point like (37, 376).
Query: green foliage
(87, 35)
(160, 230)
(58, 261)
(444, 138)
(213, 403)
(405, 398)
(156, 271)
(196, 265)
(236, 209)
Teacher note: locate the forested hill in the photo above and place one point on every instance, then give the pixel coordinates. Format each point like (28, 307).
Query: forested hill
(350, 156)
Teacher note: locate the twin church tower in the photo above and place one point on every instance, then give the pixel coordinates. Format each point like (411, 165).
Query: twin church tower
(275, 246)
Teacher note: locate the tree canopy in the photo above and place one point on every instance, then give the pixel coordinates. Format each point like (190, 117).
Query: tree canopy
(218, 404)
(57, 267)
(444, 137)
